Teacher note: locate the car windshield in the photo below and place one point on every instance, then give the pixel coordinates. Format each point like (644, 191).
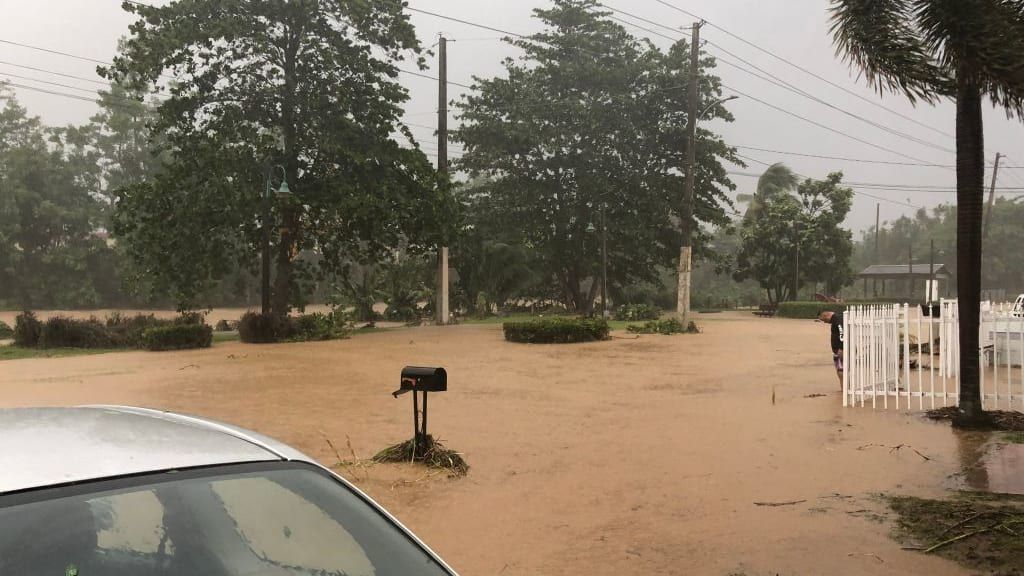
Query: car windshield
(271, 520)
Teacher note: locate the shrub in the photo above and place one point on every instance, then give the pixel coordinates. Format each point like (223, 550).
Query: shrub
(5, 331)
(27, 329)
(807, 310)
(127, 330)
(666, 327)
(64, 332)
(318, 326)
(633, 312)
(198, 318)
(556, 330)
(177, 336)
(258, 328)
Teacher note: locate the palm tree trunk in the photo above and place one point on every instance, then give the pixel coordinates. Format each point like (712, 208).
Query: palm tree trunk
(970, 176)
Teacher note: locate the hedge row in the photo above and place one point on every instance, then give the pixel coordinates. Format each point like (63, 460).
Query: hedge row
(257, 328)
(808, 310)
(140, 331)
(556, 330)
(667, 327)
(5, 331)
(177, 337)
(634, 312)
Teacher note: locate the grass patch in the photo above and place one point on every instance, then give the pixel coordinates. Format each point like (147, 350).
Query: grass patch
(22, 353)
(433, 455)
(225, 337)
(979, 531)
(1013, 437)
(665, 327)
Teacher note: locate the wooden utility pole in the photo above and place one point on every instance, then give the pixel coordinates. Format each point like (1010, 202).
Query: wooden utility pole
(442, 167)
(686, 225)
(991, 201)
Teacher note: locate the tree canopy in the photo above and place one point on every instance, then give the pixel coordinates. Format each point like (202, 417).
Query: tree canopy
(798, 239)
(585, 135)
(307, 85)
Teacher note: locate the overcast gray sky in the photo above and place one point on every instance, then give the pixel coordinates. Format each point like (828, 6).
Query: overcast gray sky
(794, 29)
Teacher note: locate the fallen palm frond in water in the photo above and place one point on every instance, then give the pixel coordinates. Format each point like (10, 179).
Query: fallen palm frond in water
(430, 452)
(1007, 421)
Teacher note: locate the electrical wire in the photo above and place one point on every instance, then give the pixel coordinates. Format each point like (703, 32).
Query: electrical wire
(802, 69)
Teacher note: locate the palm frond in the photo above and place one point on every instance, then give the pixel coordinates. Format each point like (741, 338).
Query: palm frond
(879, 38)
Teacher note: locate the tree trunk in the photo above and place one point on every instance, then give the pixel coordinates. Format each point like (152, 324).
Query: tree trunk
(970, 166)
(289, 216)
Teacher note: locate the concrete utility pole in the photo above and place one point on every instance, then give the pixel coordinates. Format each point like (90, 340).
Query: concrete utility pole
(442, 167)
(878, 245)
(991, 201)
(686, 251)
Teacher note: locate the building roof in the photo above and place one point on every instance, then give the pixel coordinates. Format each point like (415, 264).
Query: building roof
(897, 271)
(48, 446)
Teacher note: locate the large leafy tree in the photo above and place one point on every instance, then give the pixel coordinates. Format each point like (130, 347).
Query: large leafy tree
(799, 239)
(47, 216)
(309, 85)
(960, 49)
(585, 135)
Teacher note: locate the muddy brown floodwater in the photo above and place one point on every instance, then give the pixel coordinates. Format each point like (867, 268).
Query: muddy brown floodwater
(633, 456)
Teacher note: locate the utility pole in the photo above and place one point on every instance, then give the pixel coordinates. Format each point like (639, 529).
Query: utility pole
(265, 272)
(442, 167)
(685, 253)
(991, 201)
(796, 275)
(604, 264)
(878, 244)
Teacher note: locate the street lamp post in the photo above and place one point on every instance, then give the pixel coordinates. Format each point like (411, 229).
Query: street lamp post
(685, 253)
(268, 193)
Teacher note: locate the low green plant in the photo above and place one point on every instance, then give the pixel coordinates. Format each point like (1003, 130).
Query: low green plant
(64, 332)
(27, 329)
(635, 312)
(318, 326)
(257, 328)
(666, 327)
(5, 331)
(556, 330)
(807, 310)
(177, 336)
(127, 331)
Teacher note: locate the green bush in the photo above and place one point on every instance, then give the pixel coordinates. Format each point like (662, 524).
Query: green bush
(318, 326)
(556, 330)
(5, 331)
(64, 332)
(177, 336)
(666, 327)
(807, 310)
(27, 329)
(127, 331)
(634, 312)
(257, 328)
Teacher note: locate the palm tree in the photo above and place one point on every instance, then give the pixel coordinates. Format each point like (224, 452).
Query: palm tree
(935, 49)
(777, 179)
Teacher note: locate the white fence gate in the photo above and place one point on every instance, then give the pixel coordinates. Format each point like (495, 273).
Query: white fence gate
(893, 354)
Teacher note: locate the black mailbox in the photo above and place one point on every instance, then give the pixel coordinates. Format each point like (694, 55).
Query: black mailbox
(422, 379)
(419, 380)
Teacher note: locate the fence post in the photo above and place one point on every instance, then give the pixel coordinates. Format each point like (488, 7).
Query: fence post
(846, 364)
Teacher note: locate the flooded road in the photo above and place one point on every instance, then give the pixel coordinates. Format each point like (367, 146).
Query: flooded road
(709, 454)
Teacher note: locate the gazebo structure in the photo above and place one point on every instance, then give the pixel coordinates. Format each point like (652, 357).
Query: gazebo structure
(905, 275)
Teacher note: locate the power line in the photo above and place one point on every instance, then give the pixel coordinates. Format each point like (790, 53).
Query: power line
(58, 52)
(804, 70)
(434, 78)
(855, 190)
(845, 159)
(820, 125)
(44, 70)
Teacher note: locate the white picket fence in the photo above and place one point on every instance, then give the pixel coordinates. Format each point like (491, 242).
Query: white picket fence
(895, 357)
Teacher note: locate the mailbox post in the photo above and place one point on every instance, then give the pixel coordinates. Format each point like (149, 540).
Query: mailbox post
(421, 380)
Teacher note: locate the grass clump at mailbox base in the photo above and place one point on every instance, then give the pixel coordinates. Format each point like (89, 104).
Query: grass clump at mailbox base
(430, 452)
(557, 330)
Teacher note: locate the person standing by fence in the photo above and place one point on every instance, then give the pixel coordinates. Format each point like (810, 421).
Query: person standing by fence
(835, 320)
